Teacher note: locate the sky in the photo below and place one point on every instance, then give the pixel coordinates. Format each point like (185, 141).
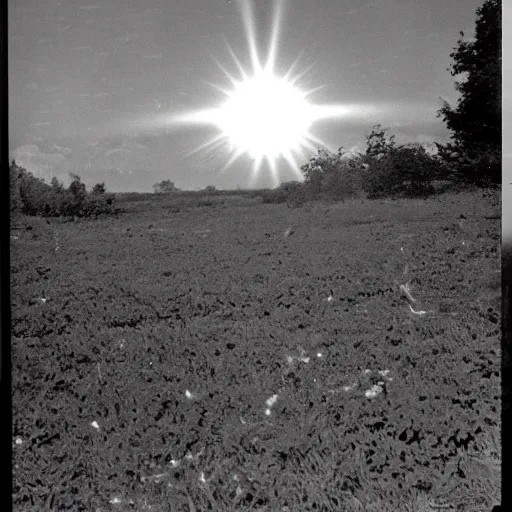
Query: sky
(93, 86)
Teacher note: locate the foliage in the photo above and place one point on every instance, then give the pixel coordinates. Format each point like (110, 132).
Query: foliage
(333, 176)
(101, 367)
(57, 186)
(164, 187)
(404, 171)
(77, 188)
(384, 170)
(376, 143)
(32, 196)
(482, 168)
(210, 189)
(99, 188)
(282, 193)
(15, 176)
(475, 123)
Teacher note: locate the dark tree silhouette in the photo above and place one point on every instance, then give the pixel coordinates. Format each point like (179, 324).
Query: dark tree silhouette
(164, 187)
(476, 121)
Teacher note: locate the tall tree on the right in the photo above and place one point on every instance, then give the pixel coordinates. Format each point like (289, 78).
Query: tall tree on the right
(475, 123)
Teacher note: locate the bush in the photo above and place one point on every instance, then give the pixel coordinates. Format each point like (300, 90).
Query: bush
(282, 193)
(333, 176)
(99, 189)
(32, 196)
(272, 196)
(165, 187)
(480, 167)
(15, 176)
(405, 171)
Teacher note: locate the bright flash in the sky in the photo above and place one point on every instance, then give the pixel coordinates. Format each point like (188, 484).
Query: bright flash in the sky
(265, 115)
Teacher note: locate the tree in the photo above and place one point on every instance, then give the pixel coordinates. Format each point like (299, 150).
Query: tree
(164, 187)
(475, 123)
(77, 188)
(99, 189)
(57, 186)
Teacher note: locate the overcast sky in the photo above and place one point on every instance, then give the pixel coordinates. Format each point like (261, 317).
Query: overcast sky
(87, 78)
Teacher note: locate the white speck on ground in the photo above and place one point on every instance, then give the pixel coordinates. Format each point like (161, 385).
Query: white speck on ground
(272, 400)
(373, 391)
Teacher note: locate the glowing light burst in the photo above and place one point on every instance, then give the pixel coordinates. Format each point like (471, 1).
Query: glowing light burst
(265, 116)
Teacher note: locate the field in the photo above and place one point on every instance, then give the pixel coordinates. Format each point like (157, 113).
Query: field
(222, 354)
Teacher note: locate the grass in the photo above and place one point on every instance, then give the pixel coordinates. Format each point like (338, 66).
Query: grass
(146, 349)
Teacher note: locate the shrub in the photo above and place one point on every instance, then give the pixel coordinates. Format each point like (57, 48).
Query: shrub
(376, 143)
(282, 193)
(99, 189)
(298, 196)
(333, 176)
(15, 176)
(480, 166)
(405, 171)
(32, 196)
(165, 187)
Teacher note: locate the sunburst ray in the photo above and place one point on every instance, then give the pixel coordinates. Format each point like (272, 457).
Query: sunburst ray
(265, 116)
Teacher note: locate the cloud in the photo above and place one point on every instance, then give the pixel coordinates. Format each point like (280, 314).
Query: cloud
(83, 48)
(153, 11)
(62, 150)
(41, 164)
(131, 143)
(35, 138)
(117, 151)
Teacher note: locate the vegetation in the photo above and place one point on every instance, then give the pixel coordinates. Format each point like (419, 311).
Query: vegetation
(165, 187)
(403, 171)
(30, 195)
(135, 382)
(384, 170)
(332, 176)
(282, 193)
(474, 155)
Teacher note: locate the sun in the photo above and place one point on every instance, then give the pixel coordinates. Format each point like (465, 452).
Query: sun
(265, 116)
